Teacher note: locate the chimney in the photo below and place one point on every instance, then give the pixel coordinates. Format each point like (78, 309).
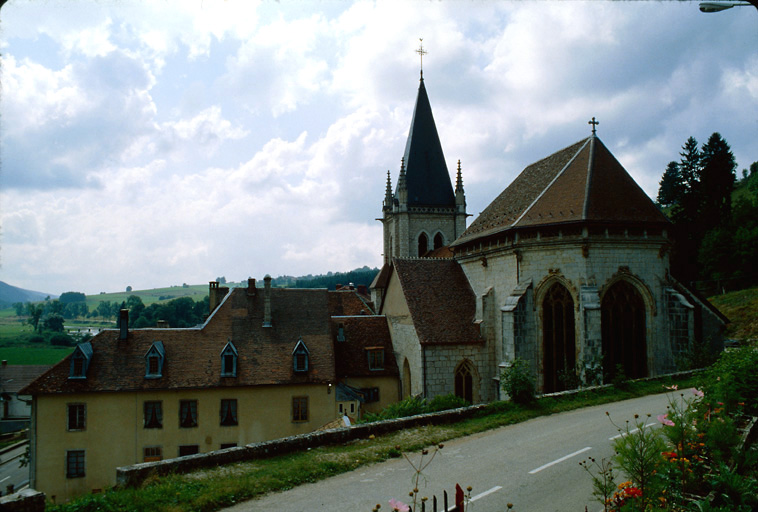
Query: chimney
(250, 286)
(216, 294)
(267, 301)
(162, 324)
(123, 323)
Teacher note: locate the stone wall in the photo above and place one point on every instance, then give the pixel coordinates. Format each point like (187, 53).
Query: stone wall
(27, 500)
(134, 475)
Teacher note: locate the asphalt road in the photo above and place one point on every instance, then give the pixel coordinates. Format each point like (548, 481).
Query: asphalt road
(11, 472)
(534, 465)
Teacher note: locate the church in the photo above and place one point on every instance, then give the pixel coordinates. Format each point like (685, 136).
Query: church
(567, 269)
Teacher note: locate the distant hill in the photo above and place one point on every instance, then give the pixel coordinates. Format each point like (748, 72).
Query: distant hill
(10, 294)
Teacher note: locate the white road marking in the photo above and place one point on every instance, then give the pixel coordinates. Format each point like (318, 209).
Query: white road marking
(559, 460)
(4, 479)
(631, 432)
(481, 495)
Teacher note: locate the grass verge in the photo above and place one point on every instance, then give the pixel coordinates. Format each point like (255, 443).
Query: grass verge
(210, 490)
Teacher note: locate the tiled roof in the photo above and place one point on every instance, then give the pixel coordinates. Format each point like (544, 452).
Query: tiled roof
(14, 377)
(427, 177)
(581, 183)
(362, 332)
(440, 299)
(193, 356)
(349, 302)
(382, 277)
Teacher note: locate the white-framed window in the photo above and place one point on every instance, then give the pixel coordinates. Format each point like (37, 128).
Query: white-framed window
(229, 360)
(154, 361)
(300, 357)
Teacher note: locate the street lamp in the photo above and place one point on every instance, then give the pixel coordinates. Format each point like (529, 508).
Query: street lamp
(722, 6)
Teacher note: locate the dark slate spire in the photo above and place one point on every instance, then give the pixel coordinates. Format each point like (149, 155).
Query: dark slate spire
(428, 181)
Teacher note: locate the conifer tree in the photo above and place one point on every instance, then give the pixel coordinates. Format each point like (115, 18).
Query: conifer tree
(717, 176)
(672, 188)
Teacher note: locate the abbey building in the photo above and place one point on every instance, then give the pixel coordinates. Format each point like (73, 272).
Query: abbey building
(567, 269)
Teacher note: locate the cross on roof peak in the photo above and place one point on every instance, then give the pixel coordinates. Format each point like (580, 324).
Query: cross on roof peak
(421, 53)
(594, 124)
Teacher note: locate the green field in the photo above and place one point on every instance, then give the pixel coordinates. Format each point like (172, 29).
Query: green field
(15, 331)
(30, 354)
(196, 292)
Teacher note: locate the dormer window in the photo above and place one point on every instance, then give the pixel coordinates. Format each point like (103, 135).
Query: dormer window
(229, 360)
(80, 359)
(375, 358)
(300, 357)
(154, 360)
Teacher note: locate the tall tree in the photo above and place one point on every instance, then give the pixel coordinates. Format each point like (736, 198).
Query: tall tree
(672, 188)
(717, 177)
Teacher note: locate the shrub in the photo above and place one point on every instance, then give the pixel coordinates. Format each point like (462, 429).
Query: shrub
(733, 380)
(446, 402)
(36, 339)
(413, 405)
(61, 340)
(620, 380)
(518, 382)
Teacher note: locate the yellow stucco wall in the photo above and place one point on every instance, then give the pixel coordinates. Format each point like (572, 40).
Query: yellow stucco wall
(389, 391)
(114, 435)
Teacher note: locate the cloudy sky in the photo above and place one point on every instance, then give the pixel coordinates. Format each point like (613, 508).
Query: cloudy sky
(164, 142)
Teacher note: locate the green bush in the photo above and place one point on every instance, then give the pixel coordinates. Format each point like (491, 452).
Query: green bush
(620, 381)
(446, 402)
(413, 405)
(518, 382)
(61, 340)
(733, 380)
(36, 339)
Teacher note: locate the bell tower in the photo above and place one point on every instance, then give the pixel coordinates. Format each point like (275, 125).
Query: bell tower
(424, 213)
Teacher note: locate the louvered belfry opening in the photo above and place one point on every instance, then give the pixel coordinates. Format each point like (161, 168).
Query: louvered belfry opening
(423, 245)
(558, 337)
(623, 331)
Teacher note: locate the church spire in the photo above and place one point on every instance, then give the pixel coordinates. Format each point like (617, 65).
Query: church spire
(428, 179)
(388, 193)
(459, 180)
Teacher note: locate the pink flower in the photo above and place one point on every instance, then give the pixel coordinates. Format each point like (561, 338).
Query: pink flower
(399, 505)
(698, 393)
(663, 418)
(674, 387)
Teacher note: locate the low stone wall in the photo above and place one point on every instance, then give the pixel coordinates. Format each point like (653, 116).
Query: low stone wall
(134, 475)
(27, 500)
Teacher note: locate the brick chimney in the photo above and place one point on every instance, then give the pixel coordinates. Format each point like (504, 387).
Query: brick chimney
(162, 324)
(123, 324)
(216, 294)
(251, 286)
(267, 301)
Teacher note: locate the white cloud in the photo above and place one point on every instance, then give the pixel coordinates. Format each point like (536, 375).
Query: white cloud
(157, 143)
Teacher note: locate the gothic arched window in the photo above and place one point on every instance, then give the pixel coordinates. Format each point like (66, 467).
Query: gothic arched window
(438, 241)
(464, 382)
(423, 244)
(623, 331)
(558, 337)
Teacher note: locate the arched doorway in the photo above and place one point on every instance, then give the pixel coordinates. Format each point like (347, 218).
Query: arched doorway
(464, 381)
(624, 331)
(406, 379)
(558, 337)
(423, 244)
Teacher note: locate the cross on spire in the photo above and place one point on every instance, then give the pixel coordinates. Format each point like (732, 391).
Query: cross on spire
(594, 124)
(421, 53)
